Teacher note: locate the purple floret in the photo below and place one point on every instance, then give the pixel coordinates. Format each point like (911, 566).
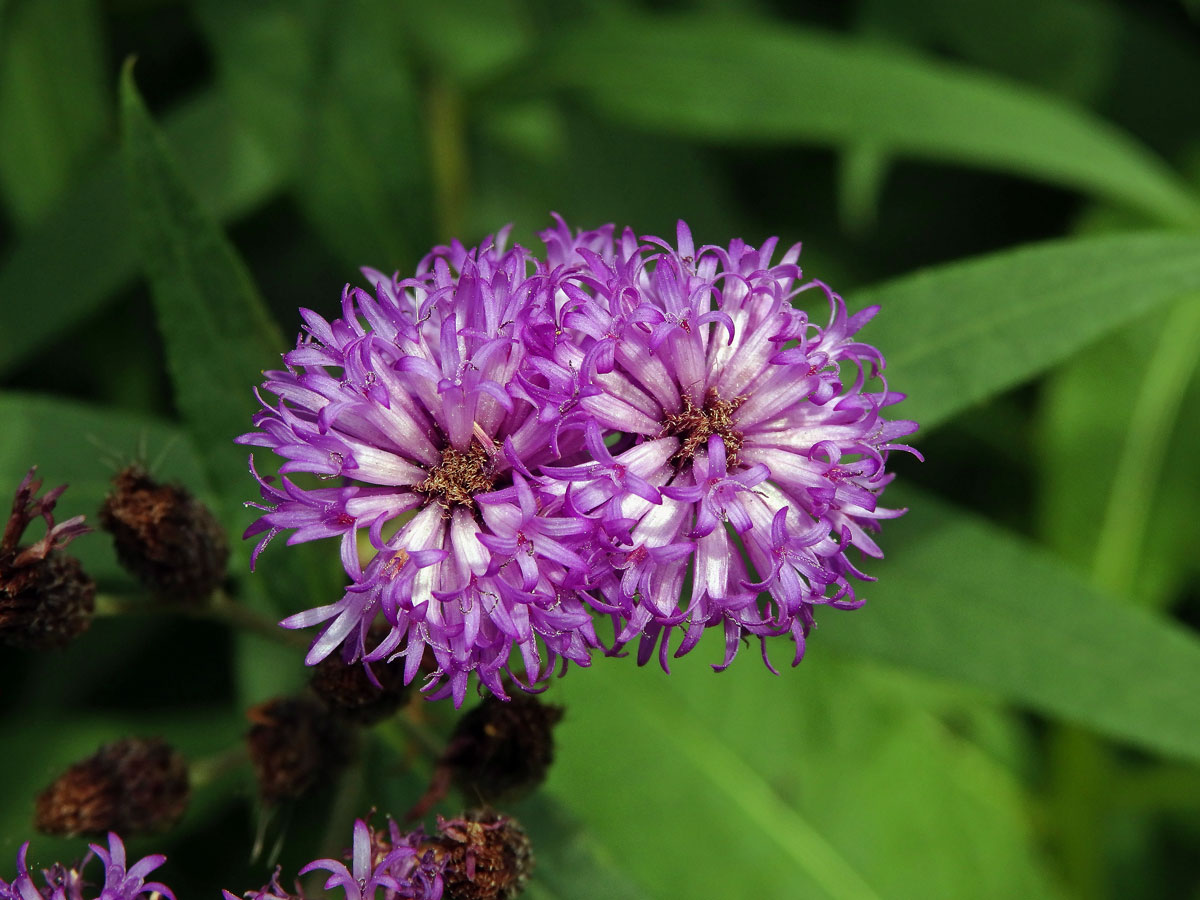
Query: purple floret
(736, 445)
(408, 406)
(67, 883)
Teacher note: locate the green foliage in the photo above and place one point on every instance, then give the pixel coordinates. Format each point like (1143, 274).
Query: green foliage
(1012, 714)
(966, 331)
(707, 78)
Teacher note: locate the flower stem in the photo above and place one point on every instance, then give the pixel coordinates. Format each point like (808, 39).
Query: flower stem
(1168, 373)
(448, 156)
(208, 769)
(220, 608)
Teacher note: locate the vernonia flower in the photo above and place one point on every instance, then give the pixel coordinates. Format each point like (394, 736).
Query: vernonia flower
(68, 883)
(408, 405)
(736, 446)
(385, 864)
(398, 863)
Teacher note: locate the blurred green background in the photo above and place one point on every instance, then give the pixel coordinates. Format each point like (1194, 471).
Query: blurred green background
(1016, 711)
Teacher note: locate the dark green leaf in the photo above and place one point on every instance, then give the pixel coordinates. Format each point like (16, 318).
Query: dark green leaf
(1113, 448)
(54, 103)
(571, 863)
(329, 88)
(963, 600)
(829, 781)
(960, 333)
(89, 237)
(747, 81)
(218, 335)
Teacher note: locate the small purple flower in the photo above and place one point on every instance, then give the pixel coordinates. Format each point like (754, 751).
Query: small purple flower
(409, 406)
(64, 883)
(400, 864)
(735, 445)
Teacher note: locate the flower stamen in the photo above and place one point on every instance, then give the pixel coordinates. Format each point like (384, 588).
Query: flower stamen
(460, 476)
(693, 425)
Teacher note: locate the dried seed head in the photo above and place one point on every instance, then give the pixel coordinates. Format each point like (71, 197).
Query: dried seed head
(165, 536)
(502, 749)
(356, 694)
(46, 599)
(487, 856)
(295, 743)
(131, 785)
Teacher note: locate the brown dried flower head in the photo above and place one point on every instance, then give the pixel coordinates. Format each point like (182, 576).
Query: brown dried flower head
(362, 696)
(487, 856)
(133, 785)
(295, 743)
(503, 749)
(46, 599)
(165, 536)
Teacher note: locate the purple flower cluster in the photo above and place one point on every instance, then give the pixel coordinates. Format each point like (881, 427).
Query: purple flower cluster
(63, 883)
(625, 428)
(401, 865)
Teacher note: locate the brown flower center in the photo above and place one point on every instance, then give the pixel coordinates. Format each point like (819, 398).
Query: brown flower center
(694, 425)
(460, 476)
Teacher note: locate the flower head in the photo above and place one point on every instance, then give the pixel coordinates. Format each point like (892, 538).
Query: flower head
(396, 863)
(407, 406)
(46, 599)
(134, 784)
(67, 883)
(735, 444)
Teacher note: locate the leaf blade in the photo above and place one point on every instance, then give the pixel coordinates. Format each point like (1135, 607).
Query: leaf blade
(216, 329)
(948, 603)
(705, 78)
(957, 334)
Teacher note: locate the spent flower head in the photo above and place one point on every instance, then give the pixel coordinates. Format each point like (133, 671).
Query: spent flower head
(46, 599)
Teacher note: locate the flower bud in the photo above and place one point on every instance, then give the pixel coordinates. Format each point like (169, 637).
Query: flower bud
(501, 750)
(165, 537)
(46, 599)
(295, 742)
(356, 693)
(486, 856)
(131, 785)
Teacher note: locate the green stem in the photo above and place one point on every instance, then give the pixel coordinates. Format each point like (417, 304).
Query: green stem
(447, 156)
(220, 608)
(1083, 767)
(1169, 371)
(209, 769)
(402, 732)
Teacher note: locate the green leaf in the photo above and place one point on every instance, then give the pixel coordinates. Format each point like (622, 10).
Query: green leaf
(217, 332)
(39, 747)
(218, 338)
(746, 81)
(830, 781)
(365, 187)
(90, 237)
(54, 103)
(571, 863)
(329, 88)
(1112, 501)
(1069, 47)
(960, 333)
(964, 600)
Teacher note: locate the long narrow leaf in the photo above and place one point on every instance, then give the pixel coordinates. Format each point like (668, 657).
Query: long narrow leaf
(746, 81)
(217, 332)
(88, 240)
(960, 333)
(962, 599)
